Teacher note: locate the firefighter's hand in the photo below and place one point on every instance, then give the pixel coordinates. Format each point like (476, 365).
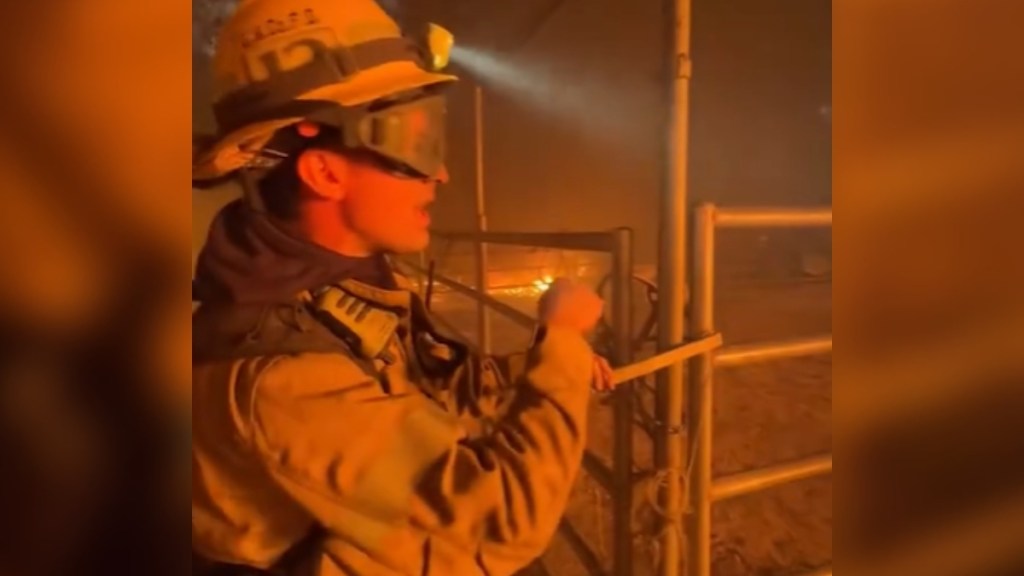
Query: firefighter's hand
(603, 375)
(570, 305)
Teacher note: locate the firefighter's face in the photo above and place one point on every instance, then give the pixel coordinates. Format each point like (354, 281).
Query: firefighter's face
(380, 210)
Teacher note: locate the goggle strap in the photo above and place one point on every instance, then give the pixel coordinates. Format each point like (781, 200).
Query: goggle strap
(258, 100)
(249, 179)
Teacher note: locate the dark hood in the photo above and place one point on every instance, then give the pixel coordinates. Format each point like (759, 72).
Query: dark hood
(249, 260)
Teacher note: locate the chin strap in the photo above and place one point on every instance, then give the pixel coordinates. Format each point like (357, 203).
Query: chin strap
(249, 179)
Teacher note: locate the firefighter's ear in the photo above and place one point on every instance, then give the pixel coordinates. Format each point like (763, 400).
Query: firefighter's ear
(323, 174)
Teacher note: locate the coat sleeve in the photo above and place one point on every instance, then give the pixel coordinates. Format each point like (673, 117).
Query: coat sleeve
(361, 460)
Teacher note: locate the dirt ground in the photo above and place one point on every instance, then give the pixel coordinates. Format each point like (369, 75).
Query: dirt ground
(764, 415)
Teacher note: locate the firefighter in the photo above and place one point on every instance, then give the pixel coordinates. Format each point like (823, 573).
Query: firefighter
(335, 431)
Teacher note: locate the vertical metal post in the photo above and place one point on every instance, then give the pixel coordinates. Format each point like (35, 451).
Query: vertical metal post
(701, 396)
(622, 317)
(672, 288)
(482, 260)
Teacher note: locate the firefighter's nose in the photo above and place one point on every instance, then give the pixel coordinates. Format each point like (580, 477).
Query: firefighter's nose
(442, 176)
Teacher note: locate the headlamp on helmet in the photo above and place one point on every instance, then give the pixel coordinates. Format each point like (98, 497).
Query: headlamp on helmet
(437, 43)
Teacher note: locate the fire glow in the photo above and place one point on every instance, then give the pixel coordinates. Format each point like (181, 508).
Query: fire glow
(544, 284)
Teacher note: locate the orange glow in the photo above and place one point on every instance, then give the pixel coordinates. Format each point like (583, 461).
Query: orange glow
(543, 284)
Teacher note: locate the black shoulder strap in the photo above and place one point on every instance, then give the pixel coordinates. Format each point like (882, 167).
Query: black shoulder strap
(422, 323)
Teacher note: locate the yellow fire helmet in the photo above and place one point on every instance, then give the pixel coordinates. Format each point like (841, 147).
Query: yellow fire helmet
(281, 62)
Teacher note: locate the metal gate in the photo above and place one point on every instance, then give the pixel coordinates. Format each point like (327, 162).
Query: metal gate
(703, 490)
(703, 351)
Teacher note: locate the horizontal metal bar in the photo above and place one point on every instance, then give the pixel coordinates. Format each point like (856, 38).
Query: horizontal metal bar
(757, 353)
(520, 318)
(599, 471)
(670, 358)
(761, 480)
(581, 241)
(773, 218)
(590, 560)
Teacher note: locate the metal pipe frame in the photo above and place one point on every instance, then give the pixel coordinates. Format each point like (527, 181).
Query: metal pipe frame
(670, 445)
(703, 491)
(760, 480)
(622, 465)
(758, 353)
(700, 396)
(482, 256)
(483, 312)
(603, 242)
(768, 218)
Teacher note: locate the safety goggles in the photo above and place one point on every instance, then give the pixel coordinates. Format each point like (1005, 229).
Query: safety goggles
(409, 136)
(405, 136)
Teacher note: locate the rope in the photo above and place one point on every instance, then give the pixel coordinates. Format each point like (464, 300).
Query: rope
(673, 523)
